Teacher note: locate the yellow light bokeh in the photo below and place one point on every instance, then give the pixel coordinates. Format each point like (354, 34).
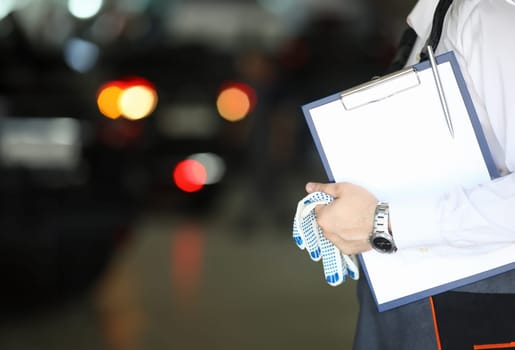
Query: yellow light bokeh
(107, 101)
(233, 104)
(137, 102)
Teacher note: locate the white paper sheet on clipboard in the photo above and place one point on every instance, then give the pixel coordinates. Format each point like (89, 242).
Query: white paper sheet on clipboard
(390, 136)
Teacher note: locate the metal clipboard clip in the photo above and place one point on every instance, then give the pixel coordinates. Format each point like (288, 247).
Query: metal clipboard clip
(379, 89)
(392, 84)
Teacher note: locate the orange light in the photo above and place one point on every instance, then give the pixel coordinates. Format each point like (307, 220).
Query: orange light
(190, 175)
(236, 101)
(107, 100)
(134, 99)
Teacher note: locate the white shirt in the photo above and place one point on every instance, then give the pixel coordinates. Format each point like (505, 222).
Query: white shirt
(470, 221)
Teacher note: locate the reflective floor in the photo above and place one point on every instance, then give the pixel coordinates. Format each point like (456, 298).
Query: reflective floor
(198, 283)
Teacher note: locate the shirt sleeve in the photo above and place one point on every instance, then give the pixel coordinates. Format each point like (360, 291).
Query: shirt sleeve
(463, 221)
(479, 219)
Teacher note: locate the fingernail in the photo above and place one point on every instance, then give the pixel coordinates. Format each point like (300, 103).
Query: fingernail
(309, 187)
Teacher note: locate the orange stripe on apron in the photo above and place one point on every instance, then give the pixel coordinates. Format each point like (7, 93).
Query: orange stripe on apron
(495, 346)
(435, 323)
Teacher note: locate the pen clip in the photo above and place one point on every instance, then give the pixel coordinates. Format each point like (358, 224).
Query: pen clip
(441, 94)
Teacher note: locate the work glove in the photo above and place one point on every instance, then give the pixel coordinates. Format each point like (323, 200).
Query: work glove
(308, 235)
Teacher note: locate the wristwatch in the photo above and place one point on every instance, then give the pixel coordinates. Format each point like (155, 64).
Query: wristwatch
(380, 238)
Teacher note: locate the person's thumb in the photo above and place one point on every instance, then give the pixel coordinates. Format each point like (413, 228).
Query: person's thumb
(328, 188)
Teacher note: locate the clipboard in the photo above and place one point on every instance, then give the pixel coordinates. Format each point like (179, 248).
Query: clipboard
(391, 135)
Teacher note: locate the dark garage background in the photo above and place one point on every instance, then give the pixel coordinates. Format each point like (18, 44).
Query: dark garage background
(100, 248)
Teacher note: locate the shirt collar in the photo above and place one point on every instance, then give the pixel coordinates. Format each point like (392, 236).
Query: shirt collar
(421, 17)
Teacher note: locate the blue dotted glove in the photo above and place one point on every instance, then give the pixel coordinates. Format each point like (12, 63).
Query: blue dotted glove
(308, 235)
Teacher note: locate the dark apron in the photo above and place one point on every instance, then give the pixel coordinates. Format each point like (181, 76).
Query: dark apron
(479, 316)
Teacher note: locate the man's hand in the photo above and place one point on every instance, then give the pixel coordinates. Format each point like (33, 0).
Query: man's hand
(347, 221)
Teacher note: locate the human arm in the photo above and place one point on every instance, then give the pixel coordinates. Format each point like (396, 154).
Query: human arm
(465, 220)
(479, 218)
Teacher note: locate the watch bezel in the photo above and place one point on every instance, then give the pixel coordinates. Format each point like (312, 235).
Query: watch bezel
(387, 245)
(380, 230)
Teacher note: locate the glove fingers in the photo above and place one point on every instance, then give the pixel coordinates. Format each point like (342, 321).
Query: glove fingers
(305, 232)
(335, 271)
(309, 228)
(297, 236)
(303, 237)
(352, 266)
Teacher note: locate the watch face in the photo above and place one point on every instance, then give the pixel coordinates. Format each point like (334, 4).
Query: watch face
(382, 244)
